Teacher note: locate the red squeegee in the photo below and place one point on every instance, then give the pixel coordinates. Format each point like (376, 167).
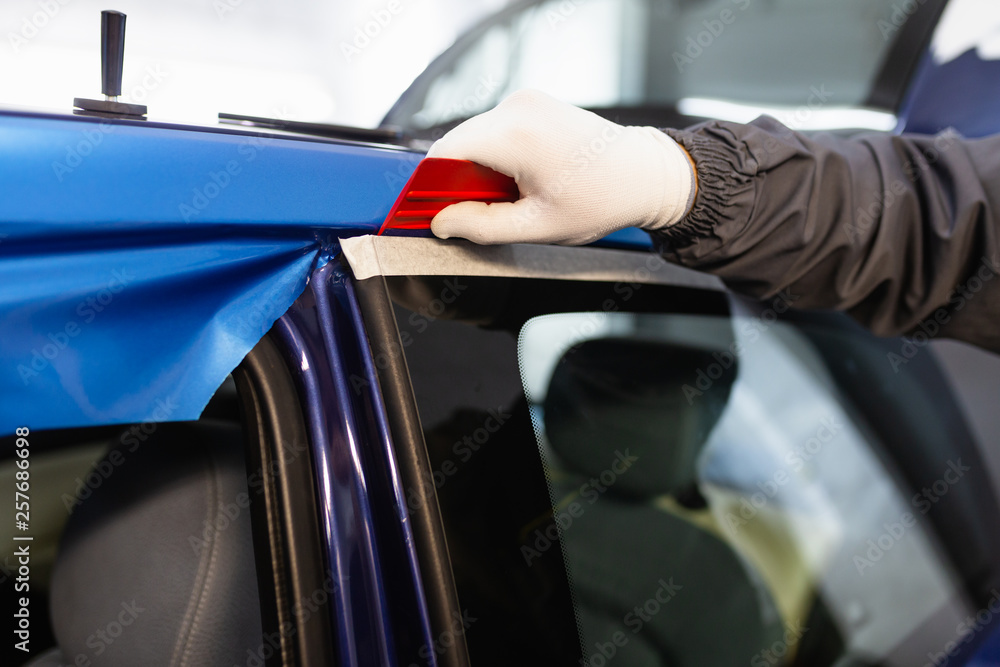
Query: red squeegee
(437, 183)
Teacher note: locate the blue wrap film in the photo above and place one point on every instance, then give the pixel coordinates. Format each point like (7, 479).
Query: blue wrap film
(139, 263)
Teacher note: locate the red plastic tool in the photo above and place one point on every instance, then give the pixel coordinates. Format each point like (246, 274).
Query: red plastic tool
(437, 183)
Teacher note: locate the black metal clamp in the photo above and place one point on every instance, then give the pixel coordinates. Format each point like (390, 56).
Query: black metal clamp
(112, 63)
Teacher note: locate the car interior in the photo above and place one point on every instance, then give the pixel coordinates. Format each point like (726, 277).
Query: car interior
(149, 556)
(768, 480)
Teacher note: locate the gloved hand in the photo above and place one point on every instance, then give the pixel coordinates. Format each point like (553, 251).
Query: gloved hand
(581, 177)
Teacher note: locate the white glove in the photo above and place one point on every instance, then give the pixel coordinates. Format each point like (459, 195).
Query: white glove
(581, 177)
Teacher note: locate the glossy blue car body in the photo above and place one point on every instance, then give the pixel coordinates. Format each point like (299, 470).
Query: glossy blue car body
(163, 247)
(93, 198)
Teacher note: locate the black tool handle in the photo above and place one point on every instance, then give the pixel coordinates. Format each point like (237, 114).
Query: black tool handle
(112, 51)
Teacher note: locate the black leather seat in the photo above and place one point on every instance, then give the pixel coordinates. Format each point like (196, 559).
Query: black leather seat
(612, 397)
(156, 567)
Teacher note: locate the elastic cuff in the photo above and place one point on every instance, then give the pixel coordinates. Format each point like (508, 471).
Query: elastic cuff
(677, 183)
(720, 178)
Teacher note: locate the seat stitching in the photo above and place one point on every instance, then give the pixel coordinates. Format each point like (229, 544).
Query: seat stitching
(205, 568)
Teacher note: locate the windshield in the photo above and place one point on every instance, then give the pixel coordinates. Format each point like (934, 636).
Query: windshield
(690, 54)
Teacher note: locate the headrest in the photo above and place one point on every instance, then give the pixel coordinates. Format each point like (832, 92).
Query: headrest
(156, 566)
(610, 398)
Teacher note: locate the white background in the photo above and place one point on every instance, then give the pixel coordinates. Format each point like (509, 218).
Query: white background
(259, 57)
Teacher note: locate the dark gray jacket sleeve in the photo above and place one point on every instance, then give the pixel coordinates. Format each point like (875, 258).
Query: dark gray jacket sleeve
(899, 231)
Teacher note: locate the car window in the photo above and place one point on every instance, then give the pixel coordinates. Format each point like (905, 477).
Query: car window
(655, 53)
(664, 477)
(86, 497)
